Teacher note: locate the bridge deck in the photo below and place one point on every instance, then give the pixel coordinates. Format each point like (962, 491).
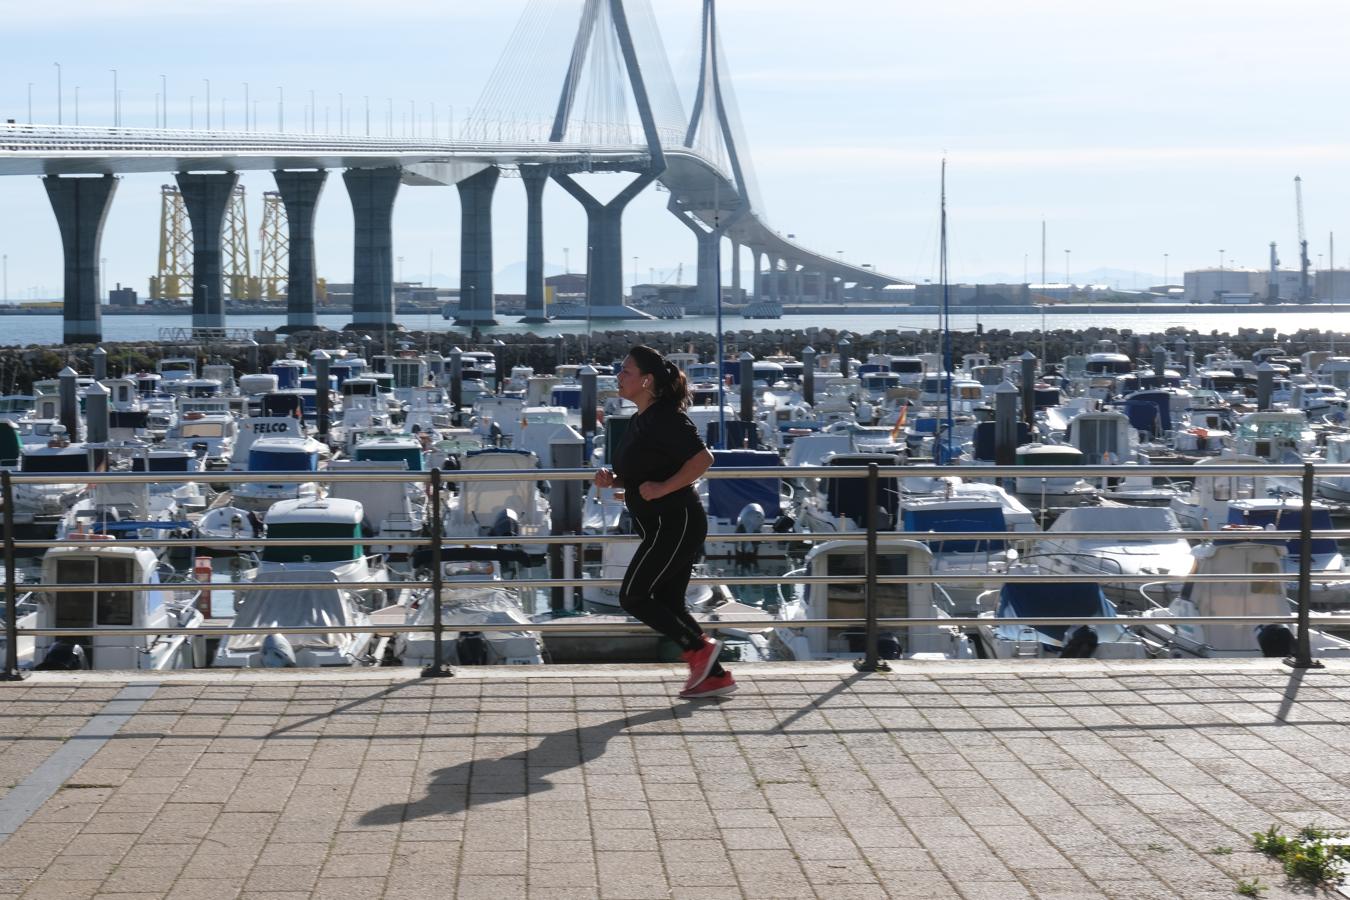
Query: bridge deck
(1077, 779)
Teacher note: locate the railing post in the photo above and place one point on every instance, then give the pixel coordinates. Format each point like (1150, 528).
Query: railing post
(438, 668)
(871, 661)
(11, 672)
(1303, 648)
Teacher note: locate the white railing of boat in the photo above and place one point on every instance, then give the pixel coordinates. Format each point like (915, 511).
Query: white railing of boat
(437, 479)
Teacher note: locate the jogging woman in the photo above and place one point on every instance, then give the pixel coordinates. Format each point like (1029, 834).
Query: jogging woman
(657, 463)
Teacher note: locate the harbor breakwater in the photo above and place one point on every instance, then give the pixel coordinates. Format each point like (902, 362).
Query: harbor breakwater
(20, 367)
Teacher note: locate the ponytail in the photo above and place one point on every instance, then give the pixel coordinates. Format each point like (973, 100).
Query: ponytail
(668, 382)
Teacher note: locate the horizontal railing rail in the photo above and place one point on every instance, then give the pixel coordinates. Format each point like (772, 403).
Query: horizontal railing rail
(436, 480)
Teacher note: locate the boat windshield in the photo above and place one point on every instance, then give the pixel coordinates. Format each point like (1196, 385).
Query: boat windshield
(1030, 600)
(313, 554)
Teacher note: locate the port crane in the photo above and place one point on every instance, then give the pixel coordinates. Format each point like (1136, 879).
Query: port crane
(1304, 286)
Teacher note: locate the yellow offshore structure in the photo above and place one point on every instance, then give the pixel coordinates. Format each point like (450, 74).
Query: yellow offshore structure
(274, 248)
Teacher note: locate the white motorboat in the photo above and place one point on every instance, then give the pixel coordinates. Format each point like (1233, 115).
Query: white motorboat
(1286, 514)
(464, 607)
(745, 506)
(943, 513)
(1054, 492)
(282, 453)
(503, 507)
(106, 562)
(346, 568)
(846, 601)
(1257, 598)
(1206, 506)
(1109, 638)
(1167, 554)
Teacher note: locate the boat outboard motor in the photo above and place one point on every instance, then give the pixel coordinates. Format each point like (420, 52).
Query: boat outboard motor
(471, 648)
(64, 656)
(1275, 640)
(1081, 644)
(507, 524)
(277, 652)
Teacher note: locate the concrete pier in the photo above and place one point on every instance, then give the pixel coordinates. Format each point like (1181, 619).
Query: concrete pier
(536, 307)
(372, 192)
(207, 196)
(300, 193)
(81, 206)
(476, 297)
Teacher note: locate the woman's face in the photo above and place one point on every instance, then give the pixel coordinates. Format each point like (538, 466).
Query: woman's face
(631, 380)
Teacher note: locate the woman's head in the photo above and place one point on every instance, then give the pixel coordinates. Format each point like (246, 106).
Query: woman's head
(645, 369)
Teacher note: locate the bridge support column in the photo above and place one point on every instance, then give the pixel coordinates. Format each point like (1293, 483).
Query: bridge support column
(604, 247)
(476, 297)
(372, 192)
(300, 193)
(736, 272)
(757, 265)
(536, 179)
(206, 197)
(81, 207)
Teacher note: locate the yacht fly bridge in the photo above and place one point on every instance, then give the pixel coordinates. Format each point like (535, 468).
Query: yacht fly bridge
(868, 590)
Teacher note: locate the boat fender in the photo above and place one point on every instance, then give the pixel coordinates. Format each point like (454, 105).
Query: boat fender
(471, 648)
(1081, 644)
(1275, 640)
(64, 656)
(888, 646)
(277, 652)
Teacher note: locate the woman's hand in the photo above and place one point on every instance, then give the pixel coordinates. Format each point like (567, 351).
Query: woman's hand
(604, 478)
(653, 490)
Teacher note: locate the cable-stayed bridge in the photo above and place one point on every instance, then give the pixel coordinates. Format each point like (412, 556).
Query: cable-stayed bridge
(607, 102)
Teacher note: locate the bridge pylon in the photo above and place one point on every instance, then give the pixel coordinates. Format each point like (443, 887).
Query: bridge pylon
(604, 230)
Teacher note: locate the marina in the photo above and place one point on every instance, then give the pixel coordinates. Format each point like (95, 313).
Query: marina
(877, 506)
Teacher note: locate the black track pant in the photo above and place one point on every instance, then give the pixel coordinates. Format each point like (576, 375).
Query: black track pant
(654, 586)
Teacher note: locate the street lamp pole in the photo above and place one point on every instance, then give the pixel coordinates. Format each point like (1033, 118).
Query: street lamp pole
(208, 103)
(117, 119)
(246, 125)
(30, 103)
(164, 98)
(1068, 280)
(59, 119)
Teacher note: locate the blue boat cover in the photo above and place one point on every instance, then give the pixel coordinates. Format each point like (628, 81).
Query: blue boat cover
(936, 518)
(728, 496)
(1031, 599)
(1149, 411)
(1288, 519)
(261, 460)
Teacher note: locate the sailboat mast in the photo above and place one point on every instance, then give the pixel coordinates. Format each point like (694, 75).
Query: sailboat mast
(946, 314)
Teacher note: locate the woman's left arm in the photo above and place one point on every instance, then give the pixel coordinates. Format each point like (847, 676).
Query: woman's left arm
(691, 471)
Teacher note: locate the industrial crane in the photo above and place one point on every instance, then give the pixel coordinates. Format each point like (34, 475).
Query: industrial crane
(1304, 286)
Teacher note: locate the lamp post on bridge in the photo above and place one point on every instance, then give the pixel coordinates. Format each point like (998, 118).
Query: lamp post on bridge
(117, 119)
(59, 119)
(164, 99)
(208, 103)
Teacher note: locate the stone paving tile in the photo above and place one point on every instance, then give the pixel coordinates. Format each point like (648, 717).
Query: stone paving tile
(1049, 781)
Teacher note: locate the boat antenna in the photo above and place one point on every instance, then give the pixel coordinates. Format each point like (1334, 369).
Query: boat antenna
(946, 315)
(717, 268)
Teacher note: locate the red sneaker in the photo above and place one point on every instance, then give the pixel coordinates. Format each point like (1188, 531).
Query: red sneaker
(712, 686)
(701, 661)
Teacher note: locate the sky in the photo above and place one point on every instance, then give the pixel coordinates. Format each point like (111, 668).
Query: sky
(1149, 137)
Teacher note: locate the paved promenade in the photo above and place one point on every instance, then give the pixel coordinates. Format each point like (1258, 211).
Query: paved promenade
(1065, 780)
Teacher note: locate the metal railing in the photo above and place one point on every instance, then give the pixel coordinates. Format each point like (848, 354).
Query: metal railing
(872, 535)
